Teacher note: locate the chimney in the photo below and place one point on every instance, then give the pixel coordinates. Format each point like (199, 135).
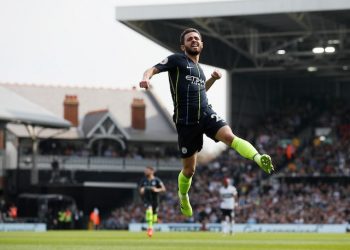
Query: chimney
(2, 139)
(70, 109)
(138, 114)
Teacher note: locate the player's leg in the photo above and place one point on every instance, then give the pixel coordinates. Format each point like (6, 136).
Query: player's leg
(244, 148)
(217, 129)
(224, 222)
(155, 218)
(184, 183)
(149, 220)
(149, 216)
(155, 213)
(190, 142)
(232, 221)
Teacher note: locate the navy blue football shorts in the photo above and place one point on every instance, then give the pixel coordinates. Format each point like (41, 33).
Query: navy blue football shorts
(153, 204)
(190, 137)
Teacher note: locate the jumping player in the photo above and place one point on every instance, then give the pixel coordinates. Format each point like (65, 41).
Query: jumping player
(193, 116)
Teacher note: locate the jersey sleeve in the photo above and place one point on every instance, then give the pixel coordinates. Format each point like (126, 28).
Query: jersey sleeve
(167, 64)
(142, 183)
(159, 183)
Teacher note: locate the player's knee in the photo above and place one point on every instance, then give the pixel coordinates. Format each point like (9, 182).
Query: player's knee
(188, 172)
(227, 138)
(225, 135)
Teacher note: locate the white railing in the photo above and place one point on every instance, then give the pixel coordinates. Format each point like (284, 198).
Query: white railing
(246, 228)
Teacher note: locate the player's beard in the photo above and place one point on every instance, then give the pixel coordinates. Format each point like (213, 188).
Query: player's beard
(191, 52)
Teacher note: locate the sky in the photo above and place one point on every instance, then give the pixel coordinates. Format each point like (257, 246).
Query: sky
(80, 43)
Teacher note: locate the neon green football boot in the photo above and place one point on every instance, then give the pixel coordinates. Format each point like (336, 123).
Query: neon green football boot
(185, 205)
(265, 163)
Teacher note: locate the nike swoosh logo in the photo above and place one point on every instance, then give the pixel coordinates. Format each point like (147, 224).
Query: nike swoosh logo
(189, 67)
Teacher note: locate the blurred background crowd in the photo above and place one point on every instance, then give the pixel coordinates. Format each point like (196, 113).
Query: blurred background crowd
(310, 185)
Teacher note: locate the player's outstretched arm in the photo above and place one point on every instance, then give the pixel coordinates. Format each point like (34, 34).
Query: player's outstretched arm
(142, 190)
(145, 82)
(216, 75)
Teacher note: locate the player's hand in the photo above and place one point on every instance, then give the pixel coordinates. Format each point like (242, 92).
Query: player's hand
(145, 84)
(216, 74)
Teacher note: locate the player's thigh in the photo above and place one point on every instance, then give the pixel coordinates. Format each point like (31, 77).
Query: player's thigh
(190, 140)
(226, 213)
(215, 127)
(155, 207)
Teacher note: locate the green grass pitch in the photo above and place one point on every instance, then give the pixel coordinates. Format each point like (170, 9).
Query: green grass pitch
(122, 240)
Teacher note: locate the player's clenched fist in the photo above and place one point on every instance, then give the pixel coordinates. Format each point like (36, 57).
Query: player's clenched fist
(144, 84)
(216, 74)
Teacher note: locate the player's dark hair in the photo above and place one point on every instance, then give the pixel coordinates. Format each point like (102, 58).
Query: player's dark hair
(150, 168)
(186, 31)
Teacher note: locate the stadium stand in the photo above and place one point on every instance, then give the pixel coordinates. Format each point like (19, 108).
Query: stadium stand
(310, 186)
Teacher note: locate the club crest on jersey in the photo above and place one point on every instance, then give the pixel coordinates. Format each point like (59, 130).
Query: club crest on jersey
(165, 61)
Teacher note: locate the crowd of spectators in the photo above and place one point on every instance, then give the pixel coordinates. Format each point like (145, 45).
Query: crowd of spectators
(327, 150)
(260, 201)
(265, 199)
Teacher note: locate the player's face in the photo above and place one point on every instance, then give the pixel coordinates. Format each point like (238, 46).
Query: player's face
(193, 44)
(148, 172)
(225, 182)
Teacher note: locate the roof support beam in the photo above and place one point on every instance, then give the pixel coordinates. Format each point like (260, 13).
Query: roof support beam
(281, 68)
(288, 33)
(201, 22)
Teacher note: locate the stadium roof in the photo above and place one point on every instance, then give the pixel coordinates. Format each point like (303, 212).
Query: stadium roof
(17, 109)
(255, 36)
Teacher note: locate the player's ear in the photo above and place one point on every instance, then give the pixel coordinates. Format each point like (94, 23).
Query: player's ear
(182, 47)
